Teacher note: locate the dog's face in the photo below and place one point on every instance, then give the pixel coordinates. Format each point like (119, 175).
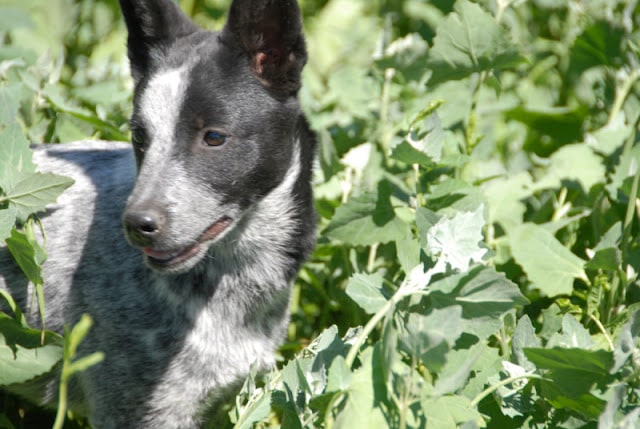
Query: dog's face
(214, 121)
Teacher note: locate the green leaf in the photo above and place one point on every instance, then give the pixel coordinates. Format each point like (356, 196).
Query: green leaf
(607, 254)
(423, 145)
(256, 412)
(361, 407)
(611, 137)
(591, 363)
(524, 336)
(15, 157)
(27, 254)
(23, 356)
(627, 341)
(455, 241)
(467, 41)
(34, 192)
(7, 221)
(573, 373)
(457, 370)
(505, 199)
(367, 219)
(599, 44)
(431, 336)
(449, 412)
(339, 375)
(576, 162)
(14, 17)
(484, 295)
(9, 101)
(573, 335)
(549, 127)
(550, 266)
(366, 290)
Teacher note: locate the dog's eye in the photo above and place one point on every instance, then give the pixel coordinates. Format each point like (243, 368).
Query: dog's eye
(214, 138)
(138, 139)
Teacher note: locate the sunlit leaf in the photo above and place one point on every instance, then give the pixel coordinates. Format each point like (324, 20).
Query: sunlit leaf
(550, 266)
(469, 40)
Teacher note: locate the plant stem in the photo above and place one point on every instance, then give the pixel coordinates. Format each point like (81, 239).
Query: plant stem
(622, 93)
(489, 390)
(403, 291)
(603, 330)
(373, 251)
(368, 328)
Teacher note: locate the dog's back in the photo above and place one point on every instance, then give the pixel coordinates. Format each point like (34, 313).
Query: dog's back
(218, 217)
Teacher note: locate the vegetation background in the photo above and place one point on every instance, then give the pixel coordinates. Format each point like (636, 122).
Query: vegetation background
(477, 185)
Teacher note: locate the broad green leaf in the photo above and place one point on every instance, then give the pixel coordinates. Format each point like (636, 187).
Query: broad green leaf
(524, 336)
(366, 290)
(293, 376)
(577, 163)
(627, 341)
(614, 415)
(27, 254)
(573, 335)
(449, 412)
(256, 412)
(9, 101)
(361, 407)
(549, 127)
(15, 157)
(457, 370)
(431, 336)
(467, 41)
(339, 375)
(408, 251)
(406, 56)
(14, 17)
(22, 354)
(505, 199)
(599, 44)
(367, 219)
(455, 241)
(611, 137)
(592, 364)
(572, 374)
(626, 168)
(484, 295)
(35, 191)
(487, 366)
(7, 221)
(552, 318)
(586, 404)
(423, 145)
(550, 266)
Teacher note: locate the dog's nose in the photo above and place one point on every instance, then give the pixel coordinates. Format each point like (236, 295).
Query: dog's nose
(143, 226)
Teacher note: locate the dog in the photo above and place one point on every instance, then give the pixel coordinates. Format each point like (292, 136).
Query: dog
(214, 197)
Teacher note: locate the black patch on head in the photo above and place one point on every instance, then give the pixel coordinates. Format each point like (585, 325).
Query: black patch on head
(153, 26)
(269, 32)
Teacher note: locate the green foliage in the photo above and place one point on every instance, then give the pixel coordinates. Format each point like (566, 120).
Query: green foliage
(478, 254)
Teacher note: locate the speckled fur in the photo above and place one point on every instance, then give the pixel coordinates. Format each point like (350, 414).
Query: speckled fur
(177, 341)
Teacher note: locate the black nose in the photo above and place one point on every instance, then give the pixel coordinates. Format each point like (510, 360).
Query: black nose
(143, 226)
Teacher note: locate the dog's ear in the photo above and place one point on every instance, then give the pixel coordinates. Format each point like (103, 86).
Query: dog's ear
(152, 25)
(270, 33)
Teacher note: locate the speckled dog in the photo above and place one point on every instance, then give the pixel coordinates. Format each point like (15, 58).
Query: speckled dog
(218, 216)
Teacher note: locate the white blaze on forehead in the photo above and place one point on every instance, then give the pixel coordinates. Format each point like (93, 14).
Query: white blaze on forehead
(161, 104)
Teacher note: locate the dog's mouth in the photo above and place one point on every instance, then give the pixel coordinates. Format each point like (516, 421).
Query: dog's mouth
(176, 257)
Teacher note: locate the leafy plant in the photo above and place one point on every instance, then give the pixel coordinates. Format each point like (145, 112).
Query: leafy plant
(477, 186)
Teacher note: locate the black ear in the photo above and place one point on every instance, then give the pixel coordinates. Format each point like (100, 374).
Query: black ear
(152, 25)
(270, 33)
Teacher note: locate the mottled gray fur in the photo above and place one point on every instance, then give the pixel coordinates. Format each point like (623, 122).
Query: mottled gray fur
(176, 338)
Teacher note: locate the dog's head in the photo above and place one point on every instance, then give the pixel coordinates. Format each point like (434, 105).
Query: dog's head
(214, 121)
